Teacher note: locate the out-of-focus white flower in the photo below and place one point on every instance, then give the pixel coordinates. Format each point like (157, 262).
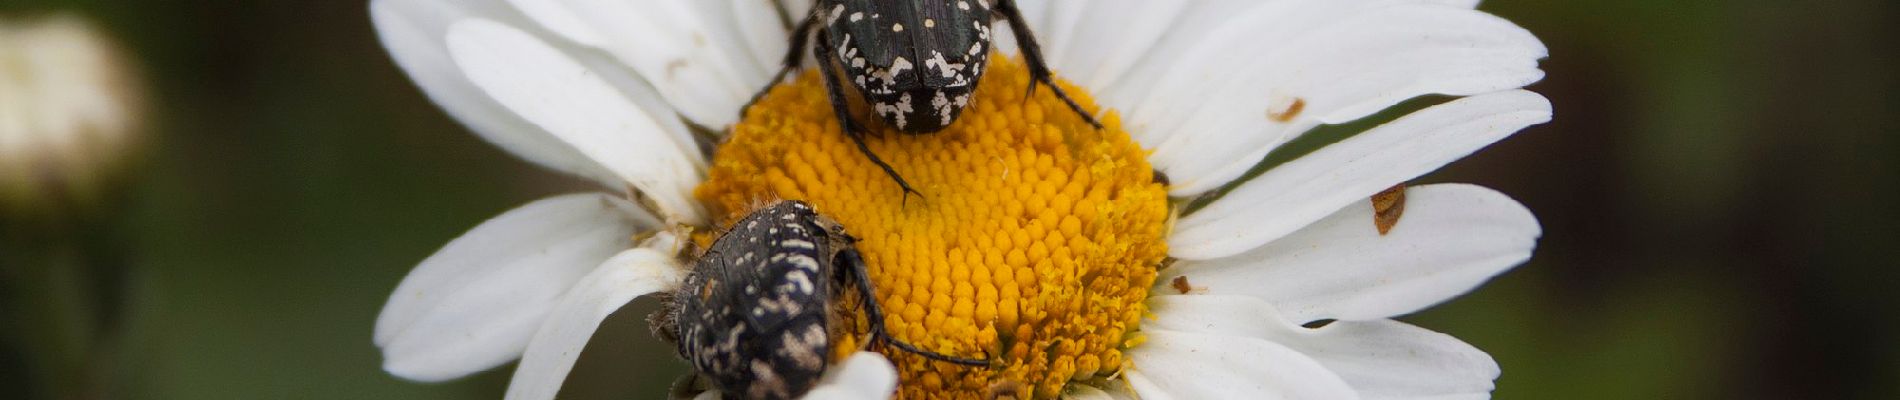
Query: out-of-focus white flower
(70, 110)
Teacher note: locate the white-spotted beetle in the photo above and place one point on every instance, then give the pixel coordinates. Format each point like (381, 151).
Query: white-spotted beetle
(754, 315)
(914, 61)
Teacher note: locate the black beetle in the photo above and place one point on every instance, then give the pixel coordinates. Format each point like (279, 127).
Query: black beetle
(914, 61)
(754, 315)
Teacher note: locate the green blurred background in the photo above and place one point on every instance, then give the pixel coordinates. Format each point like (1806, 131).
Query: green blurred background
(1717, 194)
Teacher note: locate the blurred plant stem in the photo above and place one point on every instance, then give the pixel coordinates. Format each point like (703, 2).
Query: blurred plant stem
(64, 279)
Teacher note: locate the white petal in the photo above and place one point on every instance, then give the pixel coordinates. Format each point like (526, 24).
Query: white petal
(1203, 366)
(1207, 117)
(560, 20)
(1387, 359)
(474, 304)
(866, 375)
(1116, 390)
(1057, 25)
(1303, 190)
(1450, 239)
(1093, 43)
(694, 52)
(1381, 359)
(579, 106)
(1145, 388)
(735, 24)
(1446, 50)
(1134, 28)
(1471, 396)
(1182, 30)
(1457, 3)
(559, 341)
(764, 33)
(1035, 13)
(1086, 392)
(414, 32)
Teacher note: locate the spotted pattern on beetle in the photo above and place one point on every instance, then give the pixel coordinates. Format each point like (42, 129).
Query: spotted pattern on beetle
(900, 67)
(916, 62)
(752, 315)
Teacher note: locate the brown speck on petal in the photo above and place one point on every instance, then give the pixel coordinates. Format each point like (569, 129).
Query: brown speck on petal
(673, 67)
(1287, 115)
(1181, 284)
(1387, 206)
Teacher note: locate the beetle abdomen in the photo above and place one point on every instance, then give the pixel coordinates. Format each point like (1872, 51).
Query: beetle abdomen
(753, 313)
(915, 62)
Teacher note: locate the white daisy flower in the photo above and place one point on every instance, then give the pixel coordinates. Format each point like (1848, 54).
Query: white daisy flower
(1043, 245)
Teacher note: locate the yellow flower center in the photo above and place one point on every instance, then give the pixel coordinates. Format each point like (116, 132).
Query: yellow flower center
(1032, 246)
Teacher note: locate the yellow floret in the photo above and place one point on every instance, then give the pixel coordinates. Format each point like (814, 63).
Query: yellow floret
(1033, 244)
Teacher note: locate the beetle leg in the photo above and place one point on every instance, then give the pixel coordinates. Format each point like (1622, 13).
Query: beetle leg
(794, 55)
(851, 263)
(839, 106)
(1032, 54)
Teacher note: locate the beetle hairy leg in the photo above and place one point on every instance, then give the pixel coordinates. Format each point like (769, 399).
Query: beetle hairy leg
(850, 262)
(851, 126)
(794, 55)
(1032, 55)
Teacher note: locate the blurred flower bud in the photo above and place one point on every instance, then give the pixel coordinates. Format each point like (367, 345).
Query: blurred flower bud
(70, 113)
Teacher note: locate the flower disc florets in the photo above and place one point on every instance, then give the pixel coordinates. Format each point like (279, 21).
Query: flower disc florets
(1033, 245)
